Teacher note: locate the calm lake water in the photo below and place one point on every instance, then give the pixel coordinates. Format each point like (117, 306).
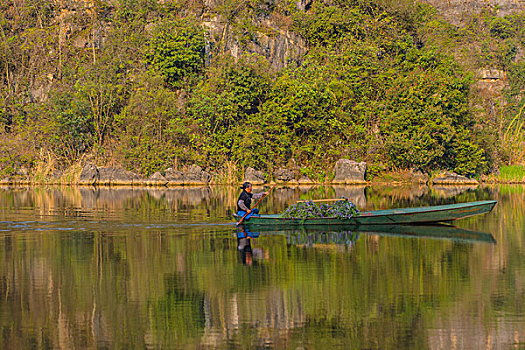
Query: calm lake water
(86, 268)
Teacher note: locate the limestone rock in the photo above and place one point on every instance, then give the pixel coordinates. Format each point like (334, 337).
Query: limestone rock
(349, 171)
(491, 82)
(5, 181)
(173, 175)
(450, 178)
(89, 175)
(492, 74)
(303, 5)
(459, 12)
(195, 174)
(284, 175)
(418, 176)
(281, 47)
(23, 171)
(157, 179)
(254, 176)
(56, 174)
(117, 176)
(304, 180)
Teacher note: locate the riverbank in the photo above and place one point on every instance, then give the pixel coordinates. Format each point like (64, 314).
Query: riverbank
(91, 175)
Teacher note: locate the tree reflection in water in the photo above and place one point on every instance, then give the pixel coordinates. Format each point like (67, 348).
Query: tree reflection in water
(140, 268)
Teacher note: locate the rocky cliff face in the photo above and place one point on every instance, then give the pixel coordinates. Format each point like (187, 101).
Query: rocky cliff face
(458, 11)
(279, 46)
(268, 35)
(84, 25)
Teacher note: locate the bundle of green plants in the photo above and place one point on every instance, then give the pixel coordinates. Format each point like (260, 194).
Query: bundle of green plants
(343, 209)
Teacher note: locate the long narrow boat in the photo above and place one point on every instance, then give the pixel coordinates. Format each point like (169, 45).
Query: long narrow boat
(419, 215)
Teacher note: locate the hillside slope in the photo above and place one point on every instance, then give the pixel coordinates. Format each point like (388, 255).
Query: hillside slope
(265, 83)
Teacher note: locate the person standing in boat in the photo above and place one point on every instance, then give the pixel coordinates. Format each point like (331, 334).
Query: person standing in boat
(245, 201)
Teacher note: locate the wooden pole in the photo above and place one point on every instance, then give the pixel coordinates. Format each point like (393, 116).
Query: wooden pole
(322, 200)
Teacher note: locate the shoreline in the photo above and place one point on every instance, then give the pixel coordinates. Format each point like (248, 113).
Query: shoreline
(151, 184)
(345, 172)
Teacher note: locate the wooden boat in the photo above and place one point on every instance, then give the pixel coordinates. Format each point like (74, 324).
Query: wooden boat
(418, 215)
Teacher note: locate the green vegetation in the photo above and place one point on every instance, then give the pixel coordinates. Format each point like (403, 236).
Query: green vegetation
(176, 51)
(510, 174)
(149, 85)
(342, 209)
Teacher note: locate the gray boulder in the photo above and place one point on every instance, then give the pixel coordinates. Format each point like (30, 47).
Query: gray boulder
(195, 174)
(418, 176)
(23, 171)
(174, 176)
(348, 171)
(303, 5)
(5, 181)
(450, 178)
(56, 174)
(89, 175)
(284, 175)
(254, 176)
(492, 74)
(157, 179)
(117, 176)
(304, 180)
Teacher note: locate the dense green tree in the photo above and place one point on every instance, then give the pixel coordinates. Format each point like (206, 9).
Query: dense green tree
(428, 117)
(176, 51)
(226, 107)
(152, 131)
(72, 128)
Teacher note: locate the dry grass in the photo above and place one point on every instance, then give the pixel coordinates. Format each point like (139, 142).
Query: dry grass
(44, 167)
(230, 173)
(72, 174)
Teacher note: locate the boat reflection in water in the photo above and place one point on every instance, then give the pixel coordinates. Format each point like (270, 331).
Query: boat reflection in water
(313, 235)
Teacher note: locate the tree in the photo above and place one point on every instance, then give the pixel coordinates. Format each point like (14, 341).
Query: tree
(176, 51)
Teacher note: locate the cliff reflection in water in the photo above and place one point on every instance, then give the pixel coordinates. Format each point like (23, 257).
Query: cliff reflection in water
(142, 268)
(205, 203)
